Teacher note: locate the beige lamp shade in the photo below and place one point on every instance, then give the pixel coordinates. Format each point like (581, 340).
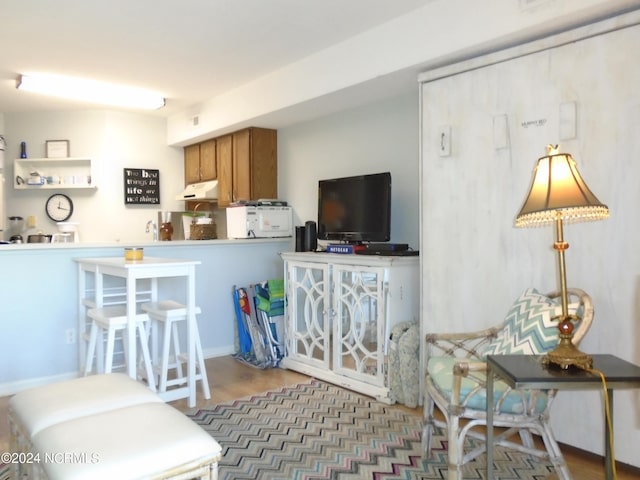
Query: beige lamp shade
(558, 190)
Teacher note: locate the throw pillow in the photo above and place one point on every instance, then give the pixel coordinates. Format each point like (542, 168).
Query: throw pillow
(528, 328)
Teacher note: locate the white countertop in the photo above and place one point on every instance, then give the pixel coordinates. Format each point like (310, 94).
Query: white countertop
(12, 247)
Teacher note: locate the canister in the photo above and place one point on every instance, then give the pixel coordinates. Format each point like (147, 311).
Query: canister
(133, 253)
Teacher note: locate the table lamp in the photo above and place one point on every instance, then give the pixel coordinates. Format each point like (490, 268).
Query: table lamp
(559, 194)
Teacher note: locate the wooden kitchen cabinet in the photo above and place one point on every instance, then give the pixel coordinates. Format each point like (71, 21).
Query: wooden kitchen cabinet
(247, 165)
(200, 162)
(224, 156)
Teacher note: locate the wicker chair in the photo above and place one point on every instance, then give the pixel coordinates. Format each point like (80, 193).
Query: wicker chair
(456, 380)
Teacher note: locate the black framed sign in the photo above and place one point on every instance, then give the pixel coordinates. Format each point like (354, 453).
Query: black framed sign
(141, 186)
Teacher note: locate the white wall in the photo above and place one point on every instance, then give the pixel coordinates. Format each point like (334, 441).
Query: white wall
(378, 137)
(470, 200)
(114, 140)
(383, 59)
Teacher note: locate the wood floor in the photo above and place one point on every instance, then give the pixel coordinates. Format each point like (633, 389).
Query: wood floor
(230, 379)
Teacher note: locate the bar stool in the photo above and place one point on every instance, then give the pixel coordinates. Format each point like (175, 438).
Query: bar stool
(111, 296)
(113, 319)
(168, 313)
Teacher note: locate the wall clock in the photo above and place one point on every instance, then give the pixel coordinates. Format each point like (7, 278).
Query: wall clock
(59, 207)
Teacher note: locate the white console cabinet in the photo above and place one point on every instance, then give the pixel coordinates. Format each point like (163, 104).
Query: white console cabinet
(340, 312)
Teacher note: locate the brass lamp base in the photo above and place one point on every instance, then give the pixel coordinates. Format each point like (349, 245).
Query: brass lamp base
(566, 355)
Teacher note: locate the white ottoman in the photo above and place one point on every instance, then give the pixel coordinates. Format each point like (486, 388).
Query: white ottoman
(33, 410)
(150, 441)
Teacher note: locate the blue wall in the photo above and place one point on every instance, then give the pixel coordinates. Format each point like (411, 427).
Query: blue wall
(39, 298)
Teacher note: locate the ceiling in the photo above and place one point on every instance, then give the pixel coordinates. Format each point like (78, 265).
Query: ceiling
(189, 51)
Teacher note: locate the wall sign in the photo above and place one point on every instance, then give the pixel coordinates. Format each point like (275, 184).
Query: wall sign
(141, 186)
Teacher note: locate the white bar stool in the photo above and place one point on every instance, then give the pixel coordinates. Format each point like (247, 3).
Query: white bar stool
(114, 319)
(111, 296)
(169, 313)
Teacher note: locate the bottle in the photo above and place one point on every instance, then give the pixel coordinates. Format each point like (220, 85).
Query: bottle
(166, 231)
(23, 150)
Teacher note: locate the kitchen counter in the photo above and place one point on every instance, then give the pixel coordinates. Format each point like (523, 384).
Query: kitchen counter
(38, 298)
(191, 243)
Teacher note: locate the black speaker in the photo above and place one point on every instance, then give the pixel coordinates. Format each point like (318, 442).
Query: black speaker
(300, 239)
(310, 237)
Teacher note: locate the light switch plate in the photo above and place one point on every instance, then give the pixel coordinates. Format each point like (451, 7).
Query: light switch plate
(568, 118)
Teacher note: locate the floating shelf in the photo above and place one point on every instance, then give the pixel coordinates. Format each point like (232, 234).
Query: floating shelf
(54, 173)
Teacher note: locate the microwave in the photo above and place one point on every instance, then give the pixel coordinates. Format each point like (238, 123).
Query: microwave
(249, 221)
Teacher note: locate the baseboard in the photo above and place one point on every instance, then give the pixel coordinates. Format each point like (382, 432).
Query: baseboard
(11, 388)
(622, 467)
(218, 352)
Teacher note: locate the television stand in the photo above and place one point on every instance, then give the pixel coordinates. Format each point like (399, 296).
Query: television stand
(340, 313)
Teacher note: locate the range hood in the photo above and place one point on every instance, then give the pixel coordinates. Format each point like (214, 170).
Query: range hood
(200, 191)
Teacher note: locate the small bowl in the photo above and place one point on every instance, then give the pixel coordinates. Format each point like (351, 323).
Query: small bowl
(133, 253)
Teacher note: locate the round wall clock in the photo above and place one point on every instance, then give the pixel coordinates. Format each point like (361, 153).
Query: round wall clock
(59, 207)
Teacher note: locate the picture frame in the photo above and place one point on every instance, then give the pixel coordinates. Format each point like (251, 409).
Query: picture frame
(57, 148)
(141, 186)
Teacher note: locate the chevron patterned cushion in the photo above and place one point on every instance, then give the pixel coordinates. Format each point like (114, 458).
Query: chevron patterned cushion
(528, 326)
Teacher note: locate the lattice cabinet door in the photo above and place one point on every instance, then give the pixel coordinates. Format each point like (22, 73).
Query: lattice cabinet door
(308, 315)
(340, 312)
(359, 323)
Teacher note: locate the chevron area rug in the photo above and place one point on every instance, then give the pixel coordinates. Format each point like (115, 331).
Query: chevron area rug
(316, 431)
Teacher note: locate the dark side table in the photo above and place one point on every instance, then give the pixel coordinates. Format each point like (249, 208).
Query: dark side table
(528, 372)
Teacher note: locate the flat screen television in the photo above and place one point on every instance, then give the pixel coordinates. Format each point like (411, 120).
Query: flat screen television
(355, 209)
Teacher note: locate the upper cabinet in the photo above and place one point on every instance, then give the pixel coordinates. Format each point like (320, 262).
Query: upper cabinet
(224, 155)
(200, 162)
(43, 173)
(246, 165)
(255, 166)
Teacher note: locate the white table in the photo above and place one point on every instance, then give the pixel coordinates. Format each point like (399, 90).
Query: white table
(151, 268)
